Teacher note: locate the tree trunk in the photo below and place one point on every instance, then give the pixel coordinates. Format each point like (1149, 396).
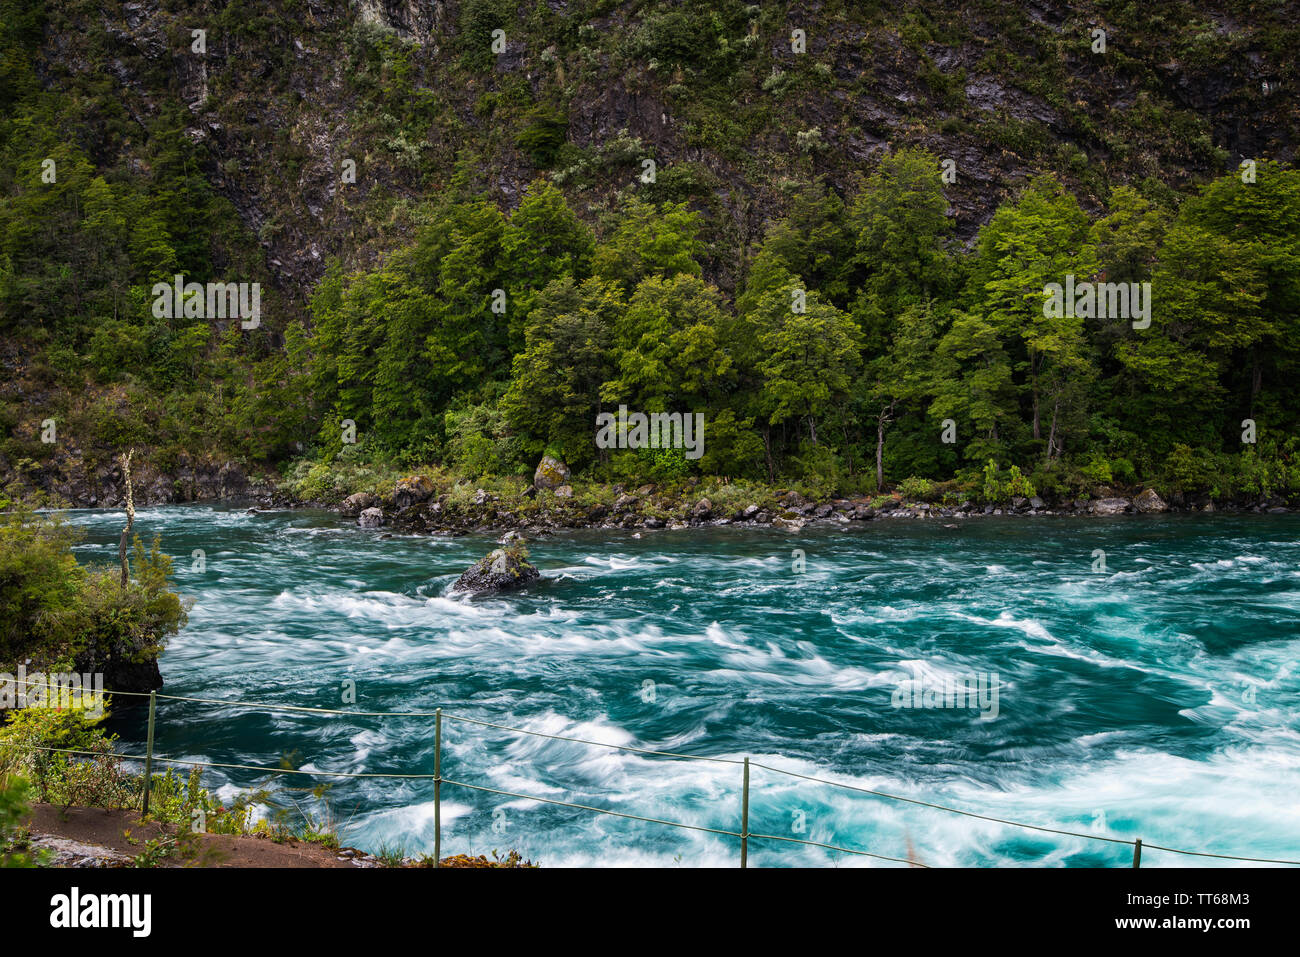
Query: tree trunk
(886, 415)
(880, 455)
(130, 518)
(1051, 438)
(767, 452)
(1256, 378)
(1033, 380)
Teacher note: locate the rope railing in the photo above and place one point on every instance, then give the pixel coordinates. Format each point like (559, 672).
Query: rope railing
(463, 784)
(744, 834)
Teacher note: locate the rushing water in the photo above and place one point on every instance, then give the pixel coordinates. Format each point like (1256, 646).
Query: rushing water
(1155, 699)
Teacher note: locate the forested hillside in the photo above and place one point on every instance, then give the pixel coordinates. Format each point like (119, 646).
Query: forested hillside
(828, 228)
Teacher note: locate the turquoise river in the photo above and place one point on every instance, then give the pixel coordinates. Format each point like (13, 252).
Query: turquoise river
(1154, 698)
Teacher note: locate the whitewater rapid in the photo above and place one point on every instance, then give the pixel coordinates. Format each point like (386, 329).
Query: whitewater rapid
(1154, 700)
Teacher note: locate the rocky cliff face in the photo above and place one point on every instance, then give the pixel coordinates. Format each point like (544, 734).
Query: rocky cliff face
(288, 91)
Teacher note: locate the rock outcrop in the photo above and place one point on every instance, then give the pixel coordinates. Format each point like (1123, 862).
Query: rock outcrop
(358, 503)
(121, 673)
(1149, 501)
(551, 473)
(411, 491)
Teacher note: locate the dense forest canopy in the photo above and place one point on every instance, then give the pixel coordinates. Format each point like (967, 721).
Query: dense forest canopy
(901, 328)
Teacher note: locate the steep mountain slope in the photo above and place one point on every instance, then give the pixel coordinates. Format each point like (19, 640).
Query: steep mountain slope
(261, 141)
(713, 93)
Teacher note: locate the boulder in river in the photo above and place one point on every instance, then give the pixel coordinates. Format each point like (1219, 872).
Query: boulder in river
(503, 569)
(371, 518)
(1110, 506)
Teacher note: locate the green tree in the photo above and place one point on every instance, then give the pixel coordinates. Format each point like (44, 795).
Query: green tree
(668, 348)
(554, 393)
(808, 358)
(1039, 240)
(973, 383)
(649, 241)
(902, 230)
(543, 241)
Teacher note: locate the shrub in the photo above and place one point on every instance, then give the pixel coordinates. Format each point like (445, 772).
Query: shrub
(1017, 485)
(480, 440)
(542, 138)
(995, 491)
(1189, 470)
(31, 743)
(991, 492)
(916, 489)
(13, 810)
(1097, 470)
(57, 612)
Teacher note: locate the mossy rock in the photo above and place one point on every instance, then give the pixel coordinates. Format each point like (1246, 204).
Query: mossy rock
(503, 569)
(551, 473)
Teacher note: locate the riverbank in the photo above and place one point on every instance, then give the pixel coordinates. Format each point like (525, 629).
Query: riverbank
(417, 507)
(436, 500)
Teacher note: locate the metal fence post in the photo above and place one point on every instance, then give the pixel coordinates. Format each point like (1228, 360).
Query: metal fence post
(148, 754)
(744, 819)
(437, 788)
(1137, 853)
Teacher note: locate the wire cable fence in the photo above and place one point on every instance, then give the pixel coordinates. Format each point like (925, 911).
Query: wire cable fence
(744, 835)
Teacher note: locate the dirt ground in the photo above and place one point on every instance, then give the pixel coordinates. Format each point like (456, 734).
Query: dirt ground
(98, 837)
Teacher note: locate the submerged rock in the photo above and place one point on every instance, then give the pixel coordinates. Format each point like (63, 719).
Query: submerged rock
(789, 521)
(500, 570)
